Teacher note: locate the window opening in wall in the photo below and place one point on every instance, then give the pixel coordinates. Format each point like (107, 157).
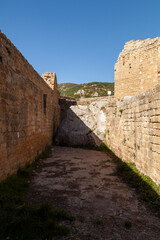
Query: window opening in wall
(44, 103)
(123, 61)
(9, 52)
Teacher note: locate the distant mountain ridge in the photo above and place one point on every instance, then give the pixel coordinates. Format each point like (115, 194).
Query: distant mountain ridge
(86, 90)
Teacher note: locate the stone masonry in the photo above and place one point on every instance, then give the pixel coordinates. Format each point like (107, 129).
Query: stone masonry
(84, 123)
(30, 113)
(133, 131)
(29, 110)
(131, 128)
(51, 79)
(138, 67)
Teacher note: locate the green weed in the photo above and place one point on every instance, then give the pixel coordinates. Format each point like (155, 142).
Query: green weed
(103, 147)
(121, 111)
(103, 109)
(21, 221)
(127, 224)
(146, 189)
(98, 221)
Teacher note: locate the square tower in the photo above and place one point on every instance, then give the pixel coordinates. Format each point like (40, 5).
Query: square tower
(138, 67)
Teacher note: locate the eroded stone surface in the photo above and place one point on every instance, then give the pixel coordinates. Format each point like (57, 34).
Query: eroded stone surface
(84, 183)
(29, 110)
(137, 68)
(130, 126)
(85, 123)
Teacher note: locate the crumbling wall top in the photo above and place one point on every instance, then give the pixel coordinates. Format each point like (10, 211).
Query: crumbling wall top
(138, 67)
(139, 45)
(51, 79)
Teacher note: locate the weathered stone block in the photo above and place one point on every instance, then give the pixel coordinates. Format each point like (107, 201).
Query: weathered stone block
(26, 125)
(137, 68)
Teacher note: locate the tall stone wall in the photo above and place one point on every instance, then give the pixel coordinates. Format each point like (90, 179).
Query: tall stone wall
(138, 67)
(133, 131)
(131, 128)
(84, 123)
(29, 110)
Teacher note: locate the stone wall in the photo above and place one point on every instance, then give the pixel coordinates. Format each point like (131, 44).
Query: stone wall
(133, 131)
(29, 110)
(84, 123)
(131, 128)
(138, 67)
(51, 79)
(65, 103)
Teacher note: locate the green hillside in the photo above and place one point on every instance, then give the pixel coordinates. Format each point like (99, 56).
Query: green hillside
(93, 89)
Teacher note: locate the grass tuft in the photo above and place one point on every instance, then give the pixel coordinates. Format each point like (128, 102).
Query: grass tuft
(97, 222)
(103, 147)
(21, 221)
(127, 224)
(146, 189)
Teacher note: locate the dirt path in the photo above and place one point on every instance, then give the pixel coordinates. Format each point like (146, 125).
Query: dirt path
(85, 184)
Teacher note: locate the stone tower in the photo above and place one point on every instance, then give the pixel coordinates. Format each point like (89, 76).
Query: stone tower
(138, 67)
(51, 79)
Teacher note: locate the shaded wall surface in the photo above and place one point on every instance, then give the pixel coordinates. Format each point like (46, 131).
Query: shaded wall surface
(138, 67)
(27, 110)
(83, 123)
(131, 128)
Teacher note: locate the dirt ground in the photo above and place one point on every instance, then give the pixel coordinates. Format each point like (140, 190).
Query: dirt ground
(84, 182)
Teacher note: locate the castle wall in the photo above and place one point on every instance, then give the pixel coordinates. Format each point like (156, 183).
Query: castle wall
(29, 110)
(30, 113)
(131, 128)
(133, 131)
(138, 67)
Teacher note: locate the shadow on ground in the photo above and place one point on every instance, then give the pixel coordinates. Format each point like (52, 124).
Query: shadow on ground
(85, 183)
(88, 184)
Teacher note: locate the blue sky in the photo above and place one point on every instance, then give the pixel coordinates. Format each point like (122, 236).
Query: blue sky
(80, 40)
